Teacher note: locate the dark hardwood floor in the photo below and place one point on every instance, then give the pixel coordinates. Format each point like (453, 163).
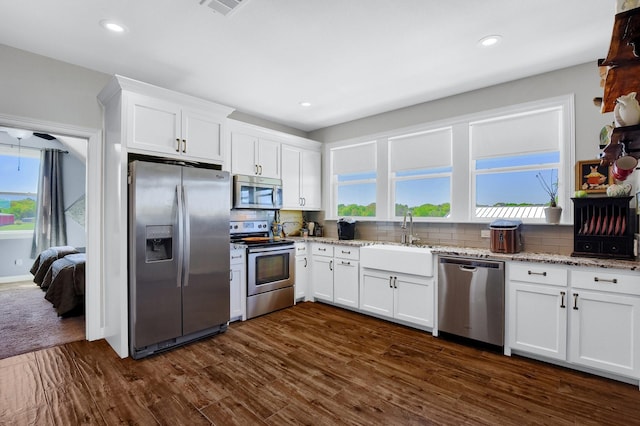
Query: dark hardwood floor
(311, 364)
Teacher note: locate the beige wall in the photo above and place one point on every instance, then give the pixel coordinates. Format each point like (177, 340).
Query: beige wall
(581, 80)
(42, 88)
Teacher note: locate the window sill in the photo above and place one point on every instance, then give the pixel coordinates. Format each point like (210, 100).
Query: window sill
(15, 235)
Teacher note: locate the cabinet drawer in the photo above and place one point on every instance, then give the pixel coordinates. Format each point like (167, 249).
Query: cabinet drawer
(319, 249)
(301, 249)
(237, 256)
(537, 273)
(347, 252)
(610, 281)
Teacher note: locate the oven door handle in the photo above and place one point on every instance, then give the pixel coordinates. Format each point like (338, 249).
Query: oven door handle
(271, 249)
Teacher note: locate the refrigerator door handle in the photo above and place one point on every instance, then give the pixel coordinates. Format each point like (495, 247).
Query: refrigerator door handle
(180, 233)
(187, 237)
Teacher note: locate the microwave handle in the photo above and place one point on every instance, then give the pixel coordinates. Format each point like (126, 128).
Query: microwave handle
(274, 194)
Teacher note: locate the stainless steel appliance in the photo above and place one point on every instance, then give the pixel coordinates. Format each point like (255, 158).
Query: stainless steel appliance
(178, 255)
(471, 298)
(505, 236)
(255, 192)
(270, 267)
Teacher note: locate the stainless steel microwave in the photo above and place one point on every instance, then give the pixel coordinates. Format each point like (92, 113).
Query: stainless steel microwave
(255, 192)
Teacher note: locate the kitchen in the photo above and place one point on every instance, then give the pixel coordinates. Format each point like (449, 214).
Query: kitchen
(578, 79)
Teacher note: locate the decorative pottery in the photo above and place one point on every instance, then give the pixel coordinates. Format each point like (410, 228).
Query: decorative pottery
(552, 214)
(605, 135)
(627, 110)
(619, 189)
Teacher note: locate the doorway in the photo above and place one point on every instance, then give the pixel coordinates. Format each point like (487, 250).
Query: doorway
(94, 303)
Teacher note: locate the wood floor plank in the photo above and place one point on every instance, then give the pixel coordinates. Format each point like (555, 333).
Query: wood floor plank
(22, 389)
(309, 364)
(229, 411)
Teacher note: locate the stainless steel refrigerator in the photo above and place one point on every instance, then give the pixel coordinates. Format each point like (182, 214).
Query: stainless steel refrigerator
(178, 255)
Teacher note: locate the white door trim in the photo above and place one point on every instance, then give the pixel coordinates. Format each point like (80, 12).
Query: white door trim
(94, 290)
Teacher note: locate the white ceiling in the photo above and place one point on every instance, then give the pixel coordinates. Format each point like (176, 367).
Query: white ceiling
(349, 58)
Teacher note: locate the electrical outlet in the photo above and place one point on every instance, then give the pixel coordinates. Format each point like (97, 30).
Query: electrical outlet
(485, 233)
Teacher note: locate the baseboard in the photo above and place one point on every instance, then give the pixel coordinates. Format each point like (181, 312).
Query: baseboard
(16, 278)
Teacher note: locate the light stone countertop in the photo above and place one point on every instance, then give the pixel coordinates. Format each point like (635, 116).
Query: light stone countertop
(629, 265)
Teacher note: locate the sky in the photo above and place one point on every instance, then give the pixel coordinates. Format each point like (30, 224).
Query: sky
(25, 180)
(518, 188)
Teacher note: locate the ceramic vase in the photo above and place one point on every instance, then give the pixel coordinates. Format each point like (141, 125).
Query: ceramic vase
(627, 110)
(552, 214)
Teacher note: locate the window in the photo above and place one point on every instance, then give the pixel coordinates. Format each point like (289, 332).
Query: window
(507, 153)
(354, 180)
(476, 167)
(420, 174)
(19, 170)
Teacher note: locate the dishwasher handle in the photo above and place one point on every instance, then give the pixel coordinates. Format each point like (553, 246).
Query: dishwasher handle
(470, 264)
(467, 268)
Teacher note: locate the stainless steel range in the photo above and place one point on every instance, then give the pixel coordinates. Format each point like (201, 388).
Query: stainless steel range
(270, 267)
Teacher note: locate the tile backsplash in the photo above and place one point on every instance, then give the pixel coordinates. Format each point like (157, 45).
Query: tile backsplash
(553, 239)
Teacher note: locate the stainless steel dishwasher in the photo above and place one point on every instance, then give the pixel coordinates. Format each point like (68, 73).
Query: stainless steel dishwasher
(471, 298)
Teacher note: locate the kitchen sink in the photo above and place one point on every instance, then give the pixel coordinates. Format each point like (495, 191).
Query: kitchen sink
(401, 259)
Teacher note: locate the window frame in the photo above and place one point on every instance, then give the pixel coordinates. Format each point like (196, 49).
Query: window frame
(336, 184)
(25, 152)
(462, 184)
(566, 148)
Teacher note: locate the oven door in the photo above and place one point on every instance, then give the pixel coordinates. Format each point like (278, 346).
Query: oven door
(269, 268)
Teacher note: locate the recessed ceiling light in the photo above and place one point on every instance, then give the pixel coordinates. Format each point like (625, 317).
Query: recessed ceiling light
(113, 26)
(488, 41)
(305, 104)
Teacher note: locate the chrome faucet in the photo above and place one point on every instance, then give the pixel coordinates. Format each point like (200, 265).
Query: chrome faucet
(408, 239)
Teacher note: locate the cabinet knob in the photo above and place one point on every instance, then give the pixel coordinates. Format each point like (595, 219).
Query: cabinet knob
(177, 145)
(184, 145)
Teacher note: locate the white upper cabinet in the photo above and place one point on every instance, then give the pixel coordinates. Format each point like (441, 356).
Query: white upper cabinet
(254, 156)
(301, 171)
(259, 151)
(192, 130)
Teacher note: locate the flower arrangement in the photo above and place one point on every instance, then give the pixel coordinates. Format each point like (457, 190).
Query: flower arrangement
(550, 187)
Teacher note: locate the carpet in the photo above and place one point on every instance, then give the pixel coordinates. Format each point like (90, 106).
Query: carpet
(28, 322)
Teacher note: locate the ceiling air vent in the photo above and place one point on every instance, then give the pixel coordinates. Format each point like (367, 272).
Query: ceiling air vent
(224, 7)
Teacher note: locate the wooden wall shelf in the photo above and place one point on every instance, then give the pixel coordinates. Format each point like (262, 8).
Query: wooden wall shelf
(623, 139)
(623, 59)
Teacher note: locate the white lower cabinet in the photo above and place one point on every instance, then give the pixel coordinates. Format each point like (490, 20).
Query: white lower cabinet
(335, 273)
(346, 276)
(303, 268)
(582, 316)
(322, 270)
(404, 297)
(537, 309)
(605, 321)
(238, 282)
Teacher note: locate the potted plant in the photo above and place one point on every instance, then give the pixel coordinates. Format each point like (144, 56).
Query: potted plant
(553, 212)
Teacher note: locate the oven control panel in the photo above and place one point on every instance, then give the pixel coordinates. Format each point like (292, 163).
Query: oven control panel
(249, 227)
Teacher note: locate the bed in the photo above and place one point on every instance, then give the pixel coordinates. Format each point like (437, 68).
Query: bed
(60, 271)
(65, 282)
(46, 258)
